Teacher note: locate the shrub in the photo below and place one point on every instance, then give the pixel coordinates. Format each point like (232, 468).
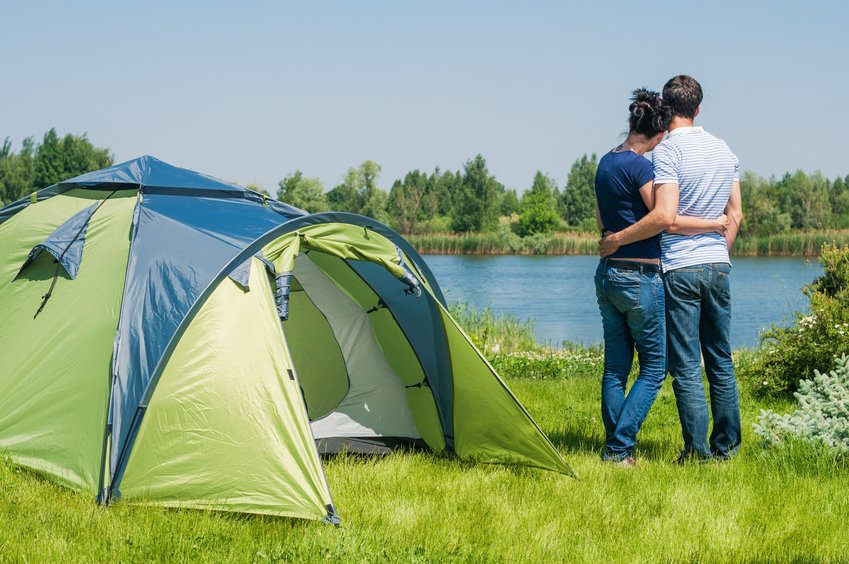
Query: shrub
(510, 242)
(823, 414)
(436, 224)
(537, 218)
(788, 355)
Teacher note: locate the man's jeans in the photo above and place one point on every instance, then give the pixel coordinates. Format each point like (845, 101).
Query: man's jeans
(632, 312)
(698, 316)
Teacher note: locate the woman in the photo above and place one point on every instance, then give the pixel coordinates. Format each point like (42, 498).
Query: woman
(628, 283)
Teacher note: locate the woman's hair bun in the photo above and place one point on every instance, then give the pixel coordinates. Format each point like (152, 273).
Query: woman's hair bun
(644, 95)
(648, 116)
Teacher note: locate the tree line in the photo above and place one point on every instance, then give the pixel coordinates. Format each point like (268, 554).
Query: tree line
(467, 200)
(39, 165)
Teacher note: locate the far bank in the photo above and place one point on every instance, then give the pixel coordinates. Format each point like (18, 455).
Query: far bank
(505, 242)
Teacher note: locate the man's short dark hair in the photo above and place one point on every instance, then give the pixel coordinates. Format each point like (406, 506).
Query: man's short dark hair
(683, 94)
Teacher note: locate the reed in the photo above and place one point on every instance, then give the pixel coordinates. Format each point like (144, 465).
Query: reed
(494, 332)
(499, 243)
(793, 244)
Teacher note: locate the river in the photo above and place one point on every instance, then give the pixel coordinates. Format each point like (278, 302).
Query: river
(559, 295)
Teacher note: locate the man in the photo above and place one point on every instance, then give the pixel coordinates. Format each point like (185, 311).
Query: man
(704, 174)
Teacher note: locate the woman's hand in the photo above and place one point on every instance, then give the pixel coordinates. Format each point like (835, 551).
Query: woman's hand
(722, 224)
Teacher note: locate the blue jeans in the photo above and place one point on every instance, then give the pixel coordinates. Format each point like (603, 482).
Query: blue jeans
(632, 312)
(698, 320)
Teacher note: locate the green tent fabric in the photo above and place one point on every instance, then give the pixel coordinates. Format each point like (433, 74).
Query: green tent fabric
(197, 447)
(54, 385)
(200, 346)
(512, 438)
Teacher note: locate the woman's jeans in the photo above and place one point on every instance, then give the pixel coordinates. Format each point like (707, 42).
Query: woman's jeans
(698, 319)
(633, 314)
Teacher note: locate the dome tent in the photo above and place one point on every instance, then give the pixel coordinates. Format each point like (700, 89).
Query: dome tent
(172, 339)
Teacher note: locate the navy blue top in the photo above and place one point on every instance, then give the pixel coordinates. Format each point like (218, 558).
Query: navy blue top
(617, 191)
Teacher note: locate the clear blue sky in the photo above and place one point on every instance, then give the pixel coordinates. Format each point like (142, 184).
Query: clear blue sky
(251, 91)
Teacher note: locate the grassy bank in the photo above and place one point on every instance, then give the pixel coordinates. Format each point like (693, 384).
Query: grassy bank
(781, 505)
(776, 506)
(500, 243)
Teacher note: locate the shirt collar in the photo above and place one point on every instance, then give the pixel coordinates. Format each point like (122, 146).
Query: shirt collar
(685, 130)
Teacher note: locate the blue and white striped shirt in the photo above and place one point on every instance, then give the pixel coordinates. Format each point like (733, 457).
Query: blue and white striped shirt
(704, 168)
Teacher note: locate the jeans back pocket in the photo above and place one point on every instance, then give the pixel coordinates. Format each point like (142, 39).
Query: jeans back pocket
(623, 290)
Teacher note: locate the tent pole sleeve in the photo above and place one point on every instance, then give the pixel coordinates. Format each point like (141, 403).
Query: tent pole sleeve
(281, 294)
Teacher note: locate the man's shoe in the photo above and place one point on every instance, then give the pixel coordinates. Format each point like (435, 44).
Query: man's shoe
(627, 462)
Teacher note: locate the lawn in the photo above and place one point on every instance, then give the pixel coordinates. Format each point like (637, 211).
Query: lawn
(781, 505)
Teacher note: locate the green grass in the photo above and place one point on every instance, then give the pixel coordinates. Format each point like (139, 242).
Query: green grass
(765, 506)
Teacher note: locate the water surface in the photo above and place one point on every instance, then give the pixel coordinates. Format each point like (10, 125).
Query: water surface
(559, 294)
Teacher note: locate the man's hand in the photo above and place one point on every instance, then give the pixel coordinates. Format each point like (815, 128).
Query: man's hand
(608, 244)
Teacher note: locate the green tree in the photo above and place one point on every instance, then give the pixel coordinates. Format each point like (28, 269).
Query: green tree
(374, 205)
(419, 199)
(407, 200)
(59, 159)
(762, 206)
(444, 187)
(579, 194)
(559, 204)
(367, 176)
(806, 199)
(304, 193)
(359, 193)
(346, 196)
(336, 199)
(839, 199)
(476, 199)
(510, 203)
(539, 214)
(16, 171)
(374, 199)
